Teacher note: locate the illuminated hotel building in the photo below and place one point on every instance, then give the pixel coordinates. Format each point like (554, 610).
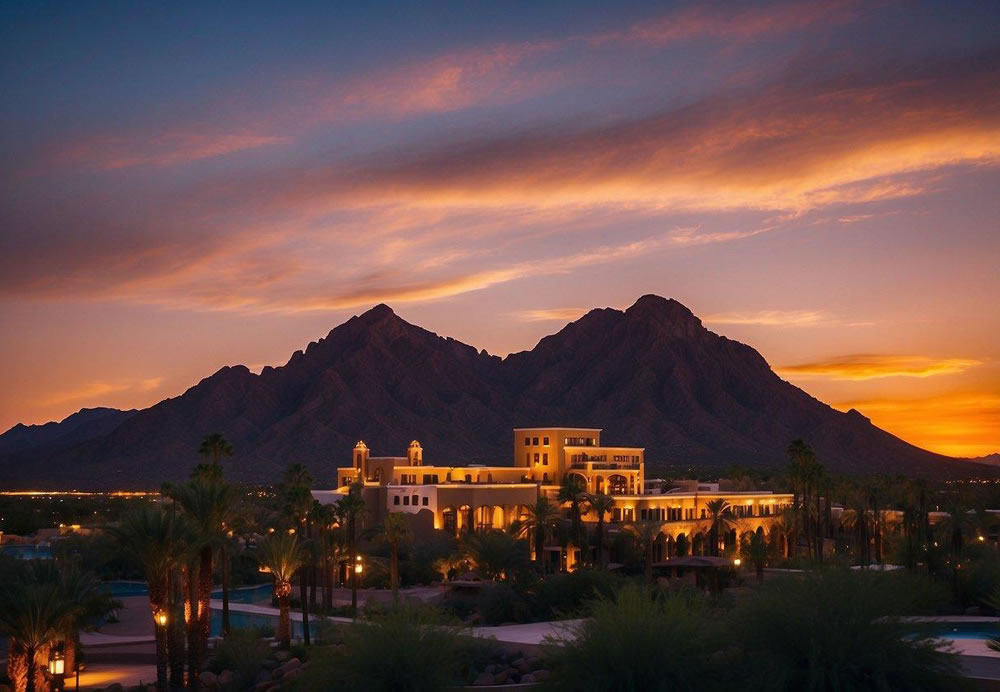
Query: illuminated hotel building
(457, 498)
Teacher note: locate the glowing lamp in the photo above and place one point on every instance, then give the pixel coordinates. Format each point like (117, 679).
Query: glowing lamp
(161, 618)
(982, 538)
(358, 567)
(57, 663)
(737, 562)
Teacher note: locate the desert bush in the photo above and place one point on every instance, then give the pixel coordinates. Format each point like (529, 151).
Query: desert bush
(242, 652)
(500, 603)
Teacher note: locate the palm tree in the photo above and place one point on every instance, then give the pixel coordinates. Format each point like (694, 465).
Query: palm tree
(495, 554)
(788, 524)
(351, 510)
(282, 554)
(207, 506)
(395, 533)
(754, 549)
(646, 533)
(214, 447)
(857, 517)
(33, 616)
(720, 515)
(805, 472)
(296, 489)
(155, 540)
(539, 522)
(602, 504)
(573, 491)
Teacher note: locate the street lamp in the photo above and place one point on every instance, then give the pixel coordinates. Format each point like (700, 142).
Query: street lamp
(358, 567)
(57, 668)
(161, 618)
(737, 562)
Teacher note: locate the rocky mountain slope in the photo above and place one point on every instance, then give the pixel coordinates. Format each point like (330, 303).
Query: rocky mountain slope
(651, 376)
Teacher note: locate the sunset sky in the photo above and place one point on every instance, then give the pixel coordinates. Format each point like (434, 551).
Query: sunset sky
(192, 185)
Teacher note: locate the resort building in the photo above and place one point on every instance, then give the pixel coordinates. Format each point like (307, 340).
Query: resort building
(475, 497)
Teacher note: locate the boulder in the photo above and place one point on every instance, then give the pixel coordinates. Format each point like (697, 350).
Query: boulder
(527, 678)
(225, 678)
(500, 677)
(484, 680)
(281, 655)
(291, 675)
(277, 673)
(208, 679)
(523, 665)
(541, 674)
(262, 676)
(291, 664)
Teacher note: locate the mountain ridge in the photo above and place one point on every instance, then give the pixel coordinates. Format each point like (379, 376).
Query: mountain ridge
(651, 375)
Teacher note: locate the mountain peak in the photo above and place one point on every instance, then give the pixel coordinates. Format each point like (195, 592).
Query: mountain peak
(667, 313)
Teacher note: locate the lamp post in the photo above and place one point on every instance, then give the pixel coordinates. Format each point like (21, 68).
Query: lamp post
(358, 569)
(57, 667)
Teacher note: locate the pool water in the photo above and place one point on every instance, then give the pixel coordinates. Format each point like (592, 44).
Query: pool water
(966, 630)
(246, 594)
(251, 620)
(27, 552)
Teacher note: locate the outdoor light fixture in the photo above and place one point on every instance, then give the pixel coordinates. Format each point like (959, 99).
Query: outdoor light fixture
(358, 567)
(161, 618)
(737, 562)
(57, 663)
(982, 538)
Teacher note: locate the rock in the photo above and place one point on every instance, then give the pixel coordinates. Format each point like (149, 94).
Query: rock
(262, 676)
(484, 680)
(208, 679)
(527, 678)
(491, 668)
(523, 665)
(270, 664)
(540, 675)
(973, 610)
(291, 675)
(281, 655)
(263, 685)
(500, 677)
(225, 678)
(291, 664)
(277, 673)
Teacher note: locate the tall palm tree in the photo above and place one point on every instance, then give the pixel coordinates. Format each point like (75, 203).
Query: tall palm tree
(282, 554)
(573, 491)
(805, 472)
(214, 447)
(494, 554)
(540, 521)
(721, 518)
(602, 504)
(858, 518)
(394, 532)
(351, 510)
(296, 490)
(208, 506)
(754, 549)
(646, 533)
(155, 540)
(789, 523)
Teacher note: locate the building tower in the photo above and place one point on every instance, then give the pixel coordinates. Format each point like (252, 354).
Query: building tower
(361, 452)
(415, 454)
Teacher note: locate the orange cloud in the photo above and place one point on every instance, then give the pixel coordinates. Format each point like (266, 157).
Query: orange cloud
(551, 314)
(958, 424)
(782, 318)
(869, 367)
(94, 392)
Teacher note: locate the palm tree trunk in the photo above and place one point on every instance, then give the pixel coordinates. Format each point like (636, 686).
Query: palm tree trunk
(284, 617)
(204, 602)
(303, 596)
(158, 601)
(30, 652)
(191, 619)
(327, 584)
(225, 567)
(600, 542)
(175, 628)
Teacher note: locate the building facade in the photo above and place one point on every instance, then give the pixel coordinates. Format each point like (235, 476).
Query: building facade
(463, 497)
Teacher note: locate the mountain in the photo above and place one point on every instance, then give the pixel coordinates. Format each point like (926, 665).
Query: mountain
(85, 424)
(989, 459)
(651, 376)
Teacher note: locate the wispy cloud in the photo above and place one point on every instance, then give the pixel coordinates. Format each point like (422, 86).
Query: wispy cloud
(551, 314)
(93, 392)
(870, 366)
(783, 318)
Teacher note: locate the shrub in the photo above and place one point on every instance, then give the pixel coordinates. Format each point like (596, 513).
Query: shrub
(242, 652)
(500, 603)
(638, 641)
(404, 649)
(567, 595)
(836, 630)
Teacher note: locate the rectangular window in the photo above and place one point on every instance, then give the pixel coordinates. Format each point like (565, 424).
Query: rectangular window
(395, 501)
(545, 441)
(425, 500)
(406, 501)
(527, 459)
(527, 441)
(415, 498)
(545, 459)
(534, 441)
(642, 515)
(536, 457)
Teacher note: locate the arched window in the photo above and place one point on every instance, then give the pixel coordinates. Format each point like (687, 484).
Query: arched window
(617, 485)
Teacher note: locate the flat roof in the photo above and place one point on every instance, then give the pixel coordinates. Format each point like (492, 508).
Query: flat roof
(561, 427)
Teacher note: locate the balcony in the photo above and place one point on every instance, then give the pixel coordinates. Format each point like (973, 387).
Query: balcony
(602, 465)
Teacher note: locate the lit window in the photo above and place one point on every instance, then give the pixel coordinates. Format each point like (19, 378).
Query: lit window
(536, 457)
(545, 441)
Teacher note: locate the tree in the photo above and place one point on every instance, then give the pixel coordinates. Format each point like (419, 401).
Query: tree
(602, 504)
(721, 518)
(208, 506)
(395, 533)
(539, 523)
(296, 491)
(805, 473)
(495, 554)
(282, 555)
(214, 447)
(33, 616)
(573, 492)
(754, 549)
(156, 540)
(646, 533)
(789, 523)
(857, 518)
(351, 510)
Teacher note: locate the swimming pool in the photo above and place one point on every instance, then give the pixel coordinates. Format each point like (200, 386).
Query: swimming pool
(245, 594)
(27, 552)
(965, 630)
